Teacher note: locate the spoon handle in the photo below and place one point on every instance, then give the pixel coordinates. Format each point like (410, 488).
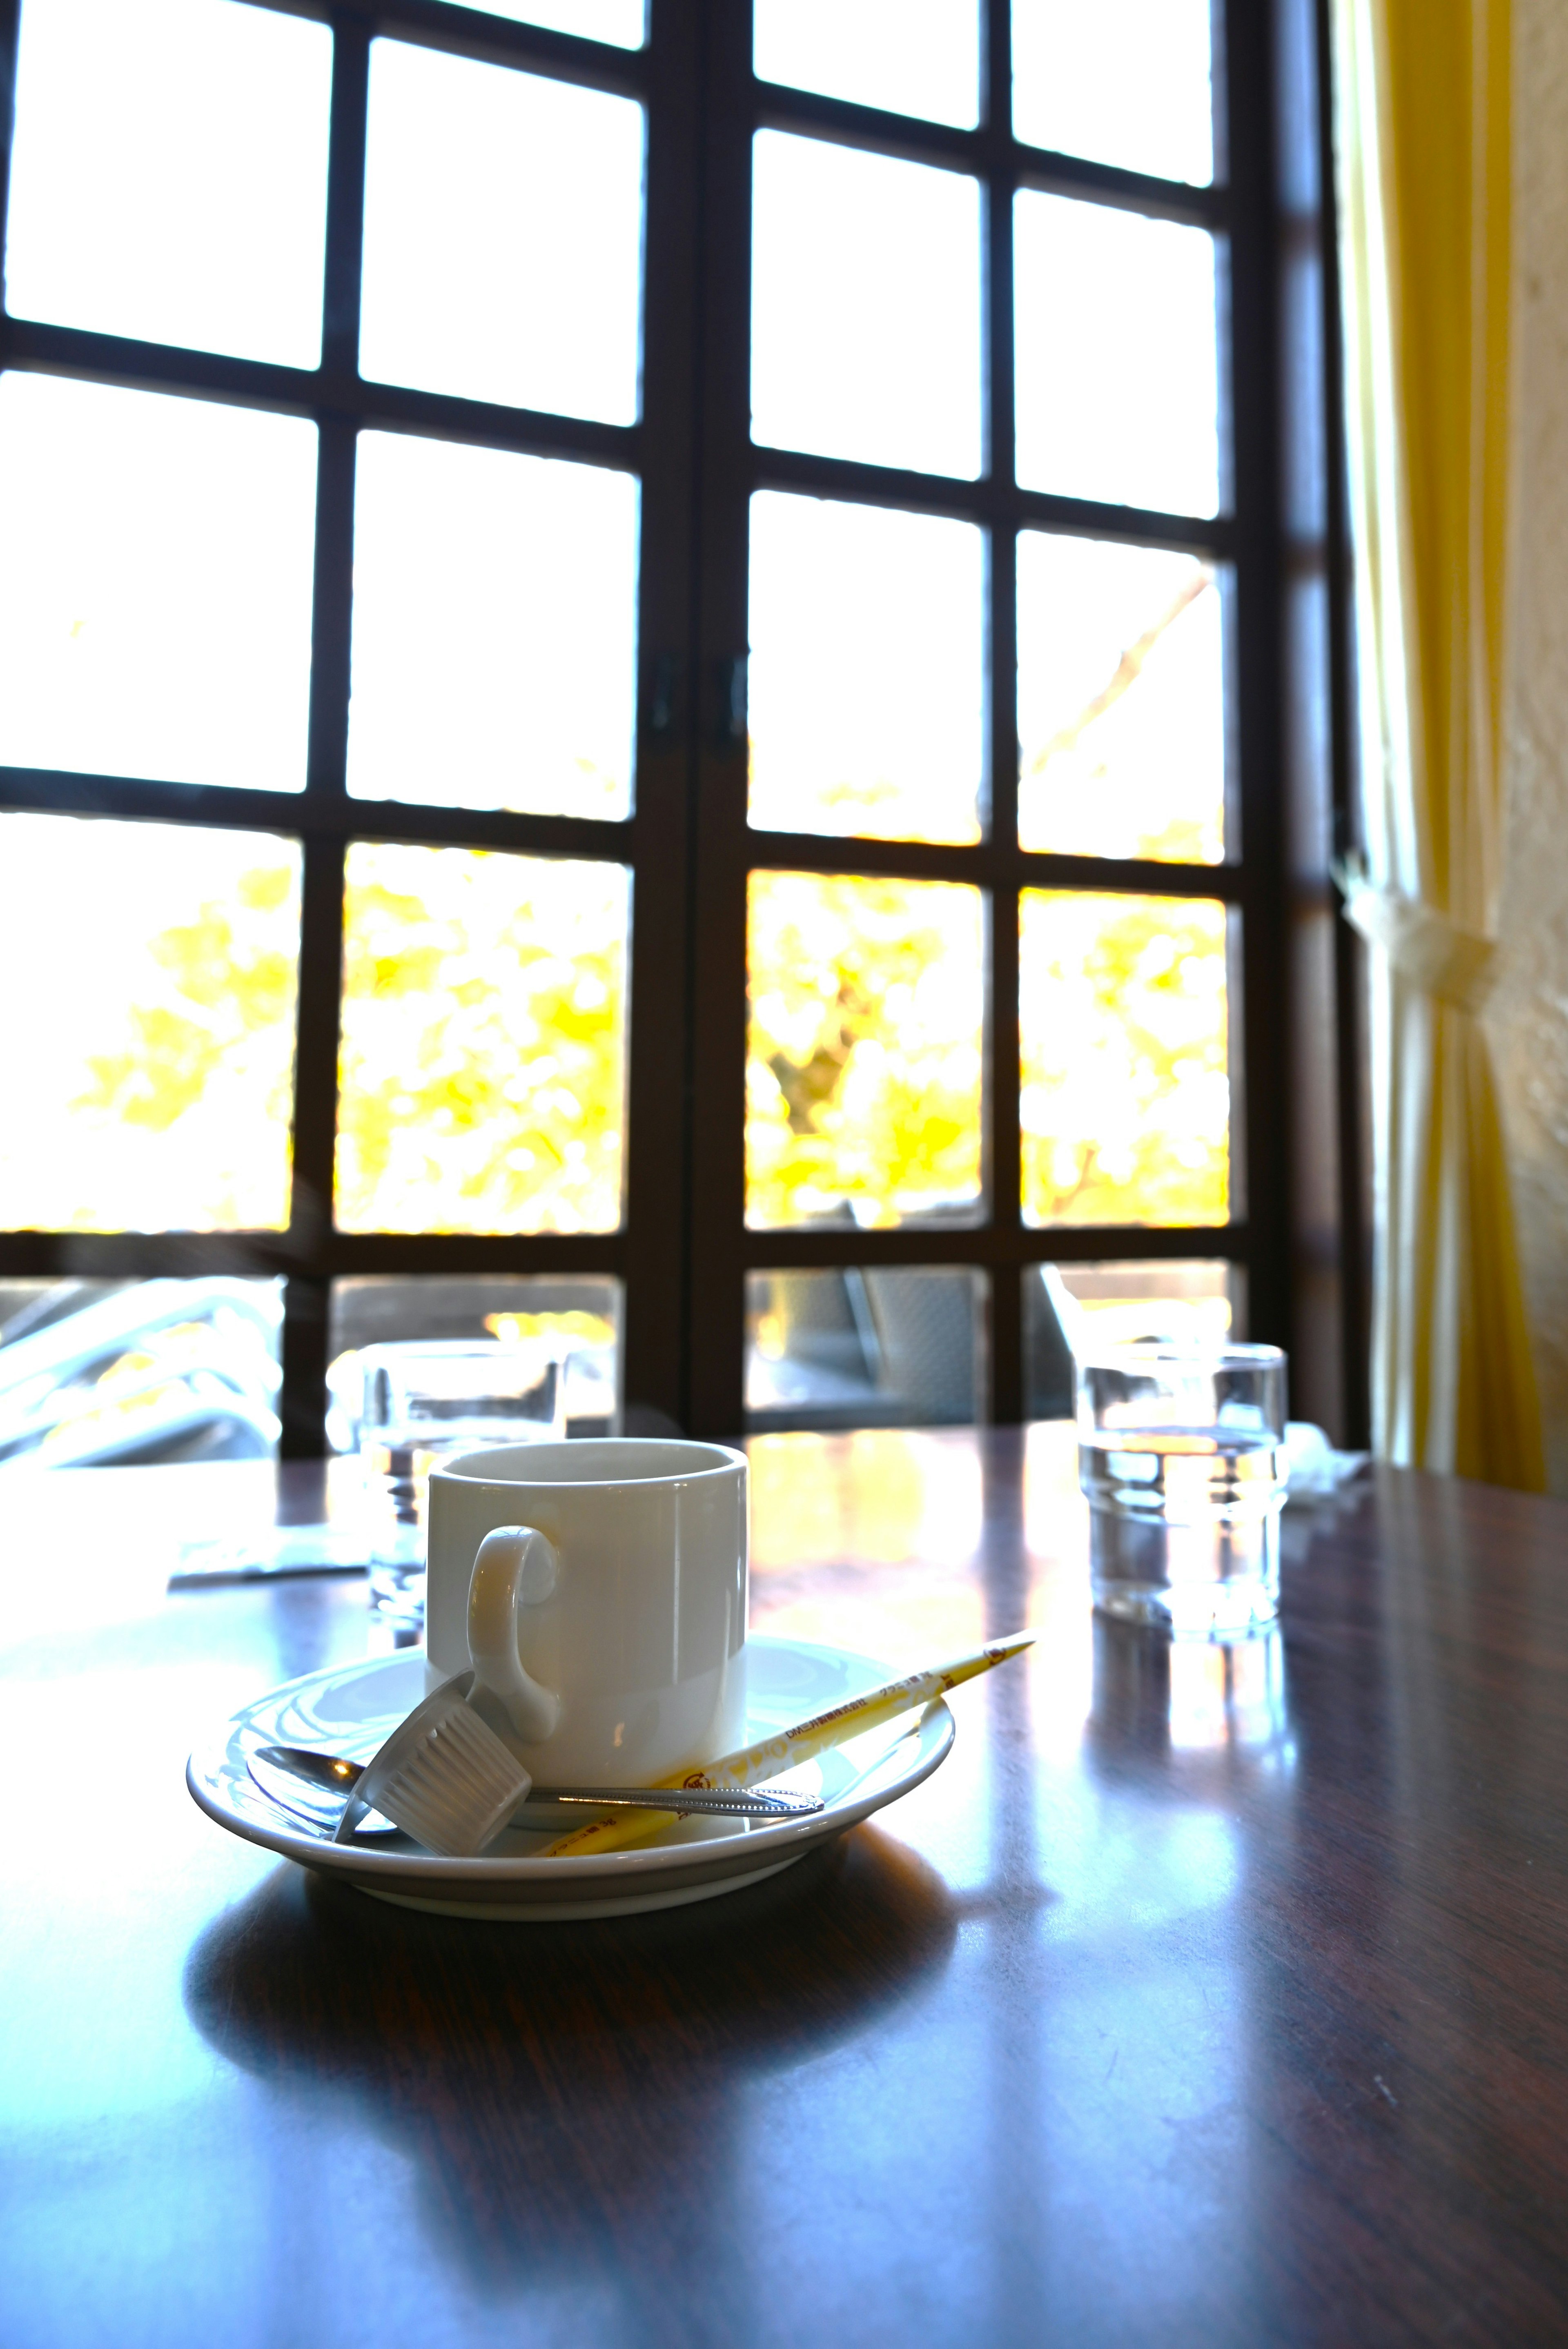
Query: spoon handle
(331, 1774)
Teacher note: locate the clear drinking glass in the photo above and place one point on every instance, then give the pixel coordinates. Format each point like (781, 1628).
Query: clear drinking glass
(1181, 1455)
(423, 1402)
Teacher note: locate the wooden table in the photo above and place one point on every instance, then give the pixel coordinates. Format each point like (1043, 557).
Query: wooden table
(1205, 1995)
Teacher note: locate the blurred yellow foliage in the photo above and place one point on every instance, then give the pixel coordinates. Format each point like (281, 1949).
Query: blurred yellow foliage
(1125, 1099)
(482, 1069)
(572, 1327)
(864, 1066)
(224, 1018)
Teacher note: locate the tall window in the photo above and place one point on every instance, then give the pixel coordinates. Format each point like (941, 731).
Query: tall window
(637, 651)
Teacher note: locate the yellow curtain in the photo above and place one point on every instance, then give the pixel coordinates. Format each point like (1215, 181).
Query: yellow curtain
(1426, 162)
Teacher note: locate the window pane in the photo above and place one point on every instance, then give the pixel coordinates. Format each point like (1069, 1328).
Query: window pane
(868, 670)
(503, 237)
(879, 1347)
(1124, 81)
(863, 1081)
(127, 1374)
(576, 1317)
(1069, 1309)
(620, 21)
(1117, 386)
(1125, 1092)
(169, 177)
(482, 1077)
(494, 629)
(912, 57)
(157, 1075)
(155, 599)
(1121, 701)
(864, 307)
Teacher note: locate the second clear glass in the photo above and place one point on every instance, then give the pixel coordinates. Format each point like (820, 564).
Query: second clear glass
(423, 1402)
(1181, 1457)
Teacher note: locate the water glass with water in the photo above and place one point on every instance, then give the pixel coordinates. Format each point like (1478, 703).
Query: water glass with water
(1181, 1455)
(425, 1400)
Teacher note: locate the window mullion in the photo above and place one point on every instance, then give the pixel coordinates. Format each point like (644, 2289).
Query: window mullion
(658, 1084)
(10, 36)
(1261, 1139)
(717, 1193)
(307, 1294)
(1004, 1380)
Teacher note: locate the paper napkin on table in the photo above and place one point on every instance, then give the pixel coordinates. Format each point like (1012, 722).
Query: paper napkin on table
(1314, 1468)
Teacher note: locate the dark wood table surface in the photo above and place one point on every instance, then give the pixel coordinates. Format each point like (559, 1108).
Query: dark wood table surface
(1211, 1995)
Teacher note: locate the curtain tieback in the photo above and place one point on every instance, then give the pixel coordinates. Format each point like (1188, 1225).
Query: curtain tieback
(1452, 965)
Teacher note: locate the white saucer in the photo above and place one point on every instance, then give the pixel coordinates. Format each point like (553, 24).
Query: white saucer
(351, 1708)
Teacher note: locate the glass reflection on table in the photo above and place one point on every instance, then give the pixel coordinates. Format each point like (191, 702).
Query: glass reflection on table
(1207, 1708)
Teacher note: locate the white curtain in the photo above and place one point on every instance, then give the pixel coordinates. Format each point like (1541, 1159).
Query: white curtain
(1425, 157)
(1527, 1013)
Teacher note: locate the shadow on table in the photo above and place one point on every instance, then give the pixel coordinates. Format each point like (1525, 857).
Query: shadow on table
(572, 2094)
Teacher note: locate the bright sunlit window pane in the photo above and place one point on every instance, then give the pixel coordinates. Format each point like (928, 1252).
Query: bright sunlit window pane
(161, 962)
(155, 596)
(1118, 379)
(863, 1070)
(868, 670)
(912, 57)
(864, 307)
(1121, 701)
(1126, 1098)
(169, 175)
(503, 237)
(619, 21)
(494, 629)
(1117, 82)
(483, 1072)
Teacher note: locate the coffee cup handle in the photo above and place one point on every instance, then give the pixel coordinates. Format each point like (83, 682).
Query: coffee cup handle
(516, 1567)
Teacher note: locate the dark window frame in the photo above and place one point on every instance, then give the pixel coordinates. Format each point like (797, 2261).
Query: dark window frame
(684, 1248)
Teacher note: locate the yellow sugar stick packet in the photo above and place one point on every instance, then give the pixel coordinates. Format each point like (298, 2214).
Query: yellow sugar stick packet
(773, 1755)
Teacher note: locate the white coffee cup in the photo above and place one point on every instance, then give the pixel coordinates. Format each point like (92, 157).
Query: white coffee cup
(598, 1591)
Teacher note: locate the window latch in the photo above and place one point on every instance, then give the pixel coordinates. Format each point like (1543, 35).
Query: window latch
(731, 731)
(661, 698)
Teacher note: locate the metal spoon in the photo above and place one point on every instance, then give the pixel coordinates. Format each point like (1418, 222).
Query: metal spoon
(302, 1767)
